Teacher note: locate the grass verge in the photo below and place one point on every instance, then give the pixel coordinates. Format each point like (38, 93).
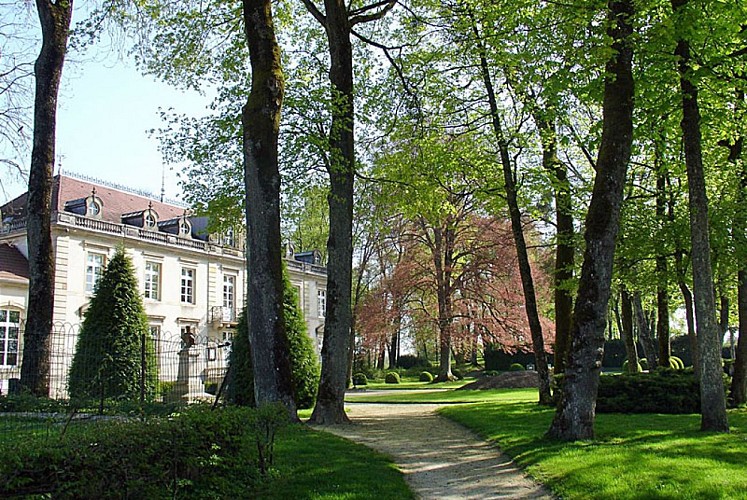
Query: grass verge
(634, 456)
(317, 465)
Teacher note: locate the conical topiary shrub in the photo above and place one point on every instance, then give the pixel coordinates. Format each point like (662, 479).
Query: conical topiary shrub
(107, 361)
(304, 363)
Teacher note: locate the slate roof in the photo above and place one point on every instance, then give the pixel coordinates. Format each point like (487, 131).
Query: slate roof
(115, 202)
(13, 265)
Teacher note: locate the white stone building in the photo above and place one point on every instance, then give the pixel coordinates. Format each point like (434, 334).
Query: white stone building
(193, 283)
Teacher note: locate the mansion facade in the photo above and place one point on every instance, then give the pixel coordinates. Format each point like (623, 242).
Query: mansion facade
(193, 283)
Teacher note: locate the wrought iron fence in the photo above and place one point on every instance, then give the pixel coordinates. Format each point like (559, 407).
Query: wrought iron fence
(168, 369)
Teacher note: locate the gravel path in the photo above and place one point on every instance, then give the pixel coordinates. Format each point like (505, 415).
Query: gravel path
(440, 459)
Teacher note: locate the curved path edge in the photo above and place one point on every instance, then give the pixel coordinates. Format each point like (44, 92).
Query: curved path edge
(439, 458)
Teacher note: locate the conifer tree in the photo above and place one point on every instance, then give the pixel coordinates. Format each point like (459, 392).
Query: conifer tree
(108, 361)
(303, 359)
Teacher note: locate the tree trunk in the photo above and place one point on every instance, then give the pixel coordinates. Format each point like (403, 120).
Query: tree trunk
(330, 403)
(713, 403)
(627, 331)
(442, 249)
(723, 323)
(54, 18)
(662, 279)
(525, 268)
(650, 348)
(574, 418)
(261, 123)
(738, 392)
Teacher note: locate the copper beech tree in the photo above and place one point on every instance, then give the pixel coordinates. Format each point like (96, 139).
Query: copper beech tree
(475, 299)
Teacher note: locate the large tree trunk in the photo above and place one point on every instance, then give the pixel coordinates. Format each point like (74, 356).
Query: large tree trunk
(261, 124)
(54, 18)
(525, 268)
(650, 348)
(713, 403)
(574, 418)
(627, 331)
(330, 403)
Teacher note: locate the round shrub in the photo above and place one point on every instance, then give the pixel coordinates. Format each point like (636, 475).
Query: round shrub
(360, 379)
(392, 378)
(457, 373)
(426, 377)
(490, 373)
(626, 364)
(516, 367)
(676, 363)
(644, 363)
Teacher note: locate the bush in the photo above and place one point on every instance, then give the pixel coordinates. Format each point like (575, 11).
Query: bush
(626, 369)
(426, 377)
(676, 363)
(516, 367)
(662, 391)
(304, 363)
(644, 363)
(195, 454)
(490, 373)
(360, 379)
(107, 359)
(457, 373)
(411, 361)
(392, 378)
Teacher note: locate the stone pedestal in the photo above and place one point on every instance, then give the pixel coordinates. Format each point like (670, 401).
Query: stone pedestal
(190, 386)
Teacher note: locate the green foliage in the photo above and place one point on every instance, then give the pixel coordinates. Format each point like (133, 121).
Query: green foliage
(107, 360)
(628, 369)
(490, 373)
(240, 376)
(516, 367)
(411, 361)
(676, 363)
(457, 373)
(31, 403)
(193, 453)
(426, 377)
(662, 391)
(644, 363)
(268, 420)
(632, 457)
(304, 363)
(360, 379)
(305, 367)
(392, 378)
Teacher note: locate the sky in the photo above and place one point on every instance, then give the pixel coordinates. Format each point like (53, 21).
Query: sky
(105, 109)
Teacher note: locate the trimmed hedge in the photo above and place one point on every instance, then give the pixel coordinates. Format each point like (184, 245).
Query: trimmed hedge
(516, 367)
(663, 391)
(392, 378)
(197, 453)
(426, 377)
(360, 379)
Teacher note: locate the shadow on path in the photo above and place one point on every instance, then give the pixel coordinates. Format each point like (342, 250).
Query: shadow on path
(440, 459)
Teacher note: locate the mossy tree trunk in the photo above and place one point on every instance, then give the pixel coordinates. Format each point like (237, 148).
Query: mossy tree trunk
(261, 124)
(574, 418)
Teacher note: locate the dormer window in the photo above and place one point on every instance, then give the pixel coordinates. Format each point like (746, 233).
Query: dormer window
(93, 208)
(93, 205)
(150, 218)
(185, 228)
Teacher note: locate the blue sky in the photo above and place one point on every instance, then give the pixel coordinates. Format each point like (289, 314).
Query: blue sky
(105, 110)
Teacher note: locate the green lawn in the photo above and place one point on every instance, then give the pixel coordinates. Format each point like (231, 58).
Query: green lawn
(318, 465)
(485, 396)
(634, 456)
(414, 383)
